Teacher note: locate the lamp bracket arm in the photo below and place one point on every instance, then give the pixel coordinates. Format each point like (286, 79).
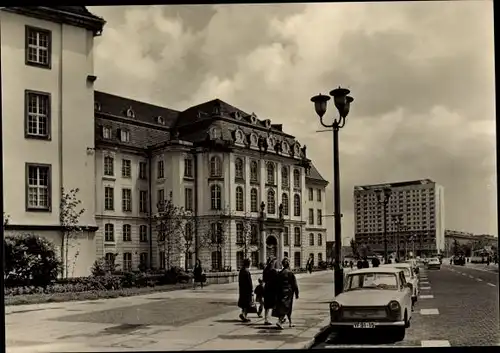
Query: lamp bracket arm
(325, 125)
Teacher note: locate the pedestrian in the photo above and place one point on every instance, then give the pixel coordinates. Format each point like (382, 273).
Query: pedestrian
(259, 297)
(351, 264)
(488, 260)
(287, 288)
(198, 274)
(245, 287)
(365, 263)
(309, 265)
(269, 277)
(375, 262)
(359, 265)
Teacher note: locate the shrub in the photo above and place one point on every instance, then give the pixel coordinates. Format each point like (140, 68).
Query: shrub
(30, 260)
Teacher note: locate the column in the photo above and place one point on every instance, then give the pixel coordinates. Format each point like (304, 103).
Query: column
(281, 248)
(263, 246)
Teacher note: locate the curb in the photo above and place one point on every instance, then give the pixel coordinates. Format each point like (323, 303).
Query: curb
(322, 328)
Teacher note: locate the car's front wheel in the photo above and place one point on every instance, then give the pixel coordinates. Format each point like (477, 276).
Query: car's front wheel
(399, 333)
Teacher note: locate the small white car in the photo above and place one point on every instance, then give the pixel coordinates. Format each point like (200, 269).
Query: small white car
(376, 297)
(411, 277)
(434, 263)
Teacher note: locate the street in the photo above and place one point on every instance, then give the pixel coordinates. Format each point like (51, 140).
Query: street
(204, 319)
(458, 306)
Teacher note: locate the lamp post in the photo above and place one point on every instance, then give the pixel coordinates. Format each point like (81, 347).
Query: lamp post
(383, 197)
(342, 102)
(398, 220)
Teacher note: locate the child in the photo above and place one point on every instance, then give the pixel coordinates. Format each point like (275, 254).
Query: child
(259, 297)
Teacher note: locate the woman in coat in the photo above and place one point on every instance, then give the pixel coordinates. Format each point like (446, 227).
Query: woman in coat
(269, 277)
(198, 274)
(287, 288)
(245, 286)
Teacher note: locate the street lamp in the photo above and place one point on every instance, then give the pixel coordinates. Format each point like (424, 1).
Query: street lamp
(343, 103)
(398, 220)
(383, 197)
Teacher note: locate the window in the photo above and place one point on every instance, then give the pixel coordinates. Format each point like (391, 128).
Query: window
(311, 239)
(160, 170)
(143, 201)
(296, 259)
(296, 240)
(216, 197)
(286, 237)
(109, 232)
(254, 256)
(126, 168)
(240, 256)
(320, 258)
(320, 217)
(296, 178)
(215, 167)
(254, 235)
(239, 198)
(38, 187)
(285, 182)
(296, 205)
(127, 232)
(238, 167)
(320, 240)
(271, 202)
(270, 173)
(254, 171)
(126, 200)
(240, 239)
(318, 198)
(143, 233)
(109, 198)
(109, 166)
(311, 194)
(254, 200)
(110, 260)
(216, 233)
(188, 167)
(311, 216)
(127, 261)
(38, 47)
(188, 199)
(106, 132)
(216, 260)
(285, 202)
(143, 173)
(161, 196)
(124, 136)
(143, 258)
(162, 260)
(37, 115)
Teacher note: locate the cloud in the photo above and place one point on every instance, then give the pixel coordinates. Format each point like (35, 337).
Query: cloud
(421, 73)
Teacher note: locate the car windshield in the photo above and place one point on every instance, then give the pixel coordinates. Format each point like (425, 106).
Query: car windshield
(406, 271)
(434, 260)
(372, 281)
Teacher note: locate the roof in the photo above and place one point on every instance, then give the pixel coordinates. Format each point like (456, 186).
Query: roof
(77, 10)
(398, 184)
(315, 175)
(375, 270)
(398, 264)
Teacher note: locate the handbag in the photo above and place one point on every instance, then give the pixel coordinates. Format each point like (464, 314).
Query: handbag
(252, 309)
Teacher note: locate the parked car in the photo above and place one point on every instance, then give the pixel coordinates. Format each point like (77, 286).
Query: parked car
(411, 277)
(434, 263)
(414, 265)
(377, 297)
(459, 260)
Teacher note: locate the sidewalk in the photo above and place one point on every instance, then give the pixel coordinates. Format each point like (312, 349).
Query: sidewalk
(181, 320)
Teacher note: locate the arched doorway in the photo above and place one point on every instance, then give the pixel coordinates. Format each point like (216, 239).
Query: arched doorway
(271, 246)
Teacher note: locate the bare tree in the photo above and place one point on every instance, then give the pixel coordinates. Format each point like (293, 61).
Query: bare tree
(69, 216)
(247, 235)
(188, 241)
(216, 234)
(169, 224)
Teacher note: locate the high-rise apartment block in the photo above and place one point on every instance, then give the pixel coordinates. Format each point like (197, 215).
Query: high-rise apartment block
(415, 215)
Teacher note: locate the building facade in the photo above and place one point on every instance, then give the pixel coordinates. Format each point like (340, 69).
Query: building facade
(232, 173)
(415, 217)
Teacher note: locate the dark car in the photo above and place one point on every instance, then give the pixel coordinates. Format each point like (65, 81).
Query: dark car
(459, 260)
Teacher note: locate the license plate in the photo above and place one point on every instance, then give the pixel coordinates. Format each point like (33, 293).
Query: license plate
(364, 325)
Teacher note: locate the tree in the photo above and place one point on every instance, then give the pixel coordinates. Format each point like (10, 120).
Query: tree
(247, 235)
(69, 217)
(216, 234)
(354, 248)
(189, 243)
(169, 224)
(456, 247)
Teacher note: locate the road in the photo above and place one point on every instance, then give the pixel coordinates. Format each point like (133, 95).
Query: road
(458, 307)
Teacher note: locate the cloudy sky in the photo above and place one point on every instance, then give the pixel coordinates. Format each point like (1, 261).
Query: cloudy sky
(421, 73)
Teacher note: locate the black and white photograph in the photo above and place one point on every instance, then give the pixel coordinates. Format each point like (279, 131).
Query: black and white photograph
(241, 176)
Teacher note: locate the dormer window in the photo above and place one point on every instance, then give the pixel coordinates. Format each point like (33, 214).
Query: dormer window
(97, 106)
(253, 118)
(267, 123)
(253, 139)
(285, 147)
(106, 132)
(160, 120)
(124, 135)
(238, 136)
(130, 113)
(297, 149)
(215, 133)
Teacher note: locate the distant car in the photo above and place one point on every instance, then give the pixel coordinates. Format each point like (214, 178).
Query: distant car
(459, 260)
(377, 297)
(414, 265)
(434, 263)
(410, 276)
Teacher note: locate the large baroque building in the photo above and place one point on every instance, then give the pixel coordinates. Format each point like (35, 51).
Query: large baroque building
(415, 216)
(221, 164)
